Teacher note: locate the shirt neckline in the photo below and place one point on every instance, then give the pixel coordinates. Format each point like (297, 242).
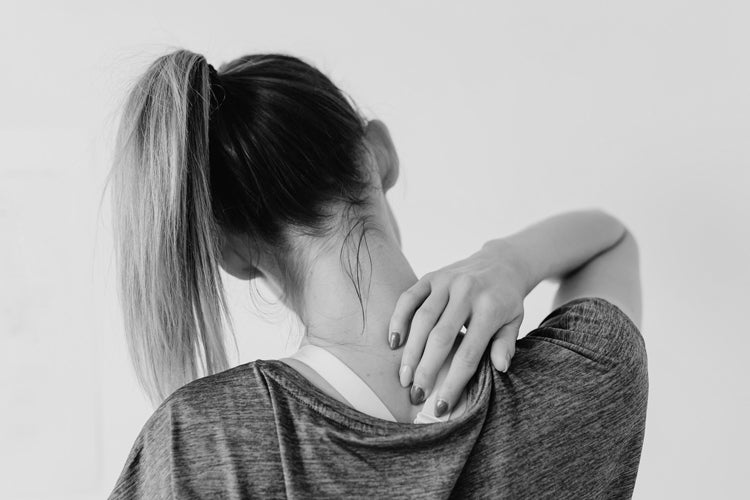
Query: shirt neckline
(342, 379)
(296, 385)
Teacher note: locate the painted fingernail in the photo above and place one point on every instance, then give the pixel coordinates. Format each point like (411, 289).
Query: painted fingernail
(416, 395)
(394, 340)
(441, 407)
(404, 375)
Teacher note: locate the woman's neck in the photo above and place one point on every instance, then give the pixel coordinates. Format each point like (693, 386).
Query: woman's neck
(333, 317)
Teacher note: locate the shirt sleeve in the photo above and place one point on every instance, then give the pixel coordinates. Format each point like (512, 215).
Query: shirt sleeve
(147, 472)
(596, 329)
(587, 364)
(573, 403)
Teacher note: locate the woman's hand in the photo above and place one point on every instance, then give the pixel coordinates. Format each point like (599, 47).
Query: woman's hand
(485, 293)
(590, 252)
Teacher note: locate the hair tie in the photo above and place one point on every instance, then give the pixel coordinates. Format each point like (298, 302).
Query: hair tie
(212, 74)
(217, 91)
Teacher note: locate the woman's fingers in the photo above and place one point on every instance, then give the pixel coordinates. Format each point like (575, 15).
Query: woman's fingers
(465, 361)
(423, 321)
(504, 344)
(407, 304)
(426, 320)
(438, 345)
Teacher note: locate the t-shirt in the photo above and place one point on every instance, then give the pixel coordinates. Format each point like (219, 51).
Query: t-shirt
(566, 421)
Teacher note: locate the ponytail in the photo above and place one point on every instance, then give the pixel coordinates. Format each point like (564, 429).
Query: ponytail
(285, 155)
(166, 236)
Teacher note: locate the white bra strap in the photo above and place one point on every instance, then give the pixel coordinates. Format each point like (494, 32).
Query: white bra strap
(344, 380)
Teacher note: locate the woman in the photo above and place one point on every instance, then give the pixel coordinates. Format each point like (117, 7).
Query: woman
(265, 169)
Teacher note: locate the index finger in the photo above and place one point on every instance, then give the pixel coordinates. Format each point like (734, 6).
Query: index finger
(406, 306)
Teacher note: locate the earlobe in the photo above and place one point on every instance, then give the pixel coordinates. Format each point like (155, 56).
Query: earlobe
(235, 262)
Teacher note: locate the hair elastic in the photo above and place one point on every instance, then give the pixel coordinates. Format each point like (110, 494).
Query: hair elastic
(213, 77)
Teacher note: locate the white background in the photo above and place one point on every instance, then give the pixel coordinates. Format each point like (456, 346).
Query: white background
(503, 113)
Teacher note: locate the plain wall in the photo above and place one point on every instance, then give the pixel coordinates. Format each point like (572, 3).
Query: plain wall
(503, 113)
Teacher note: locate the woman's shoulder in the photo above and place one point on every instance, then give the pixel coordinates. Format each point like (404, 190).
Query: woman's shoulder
(585, 355)
(588, 346)
(193, 431)
(594, 325)
(210, 405)
(221, 395)
(579, 385)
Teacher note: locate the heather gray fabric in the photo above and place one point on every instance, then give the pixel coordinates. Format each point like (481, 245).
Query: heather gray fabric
(566, 421)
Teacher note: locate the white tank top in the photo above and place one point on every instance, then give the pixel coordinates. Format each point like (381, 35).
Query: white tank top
(360, 395)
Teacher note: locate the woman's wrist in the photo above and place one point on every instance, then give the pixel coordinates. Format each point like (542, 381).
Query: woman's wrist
(507, 250)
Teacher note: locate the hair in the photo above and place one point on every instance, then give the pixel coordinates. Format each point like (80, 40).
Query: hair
(266, 144)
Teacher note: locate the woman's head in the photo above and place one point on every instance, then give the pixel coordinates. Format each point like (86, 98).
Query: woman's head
(236, 168)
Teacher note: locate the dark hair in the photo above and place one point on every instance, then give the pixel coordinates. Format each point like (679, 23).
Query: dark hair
(266, 145)
(284, 145)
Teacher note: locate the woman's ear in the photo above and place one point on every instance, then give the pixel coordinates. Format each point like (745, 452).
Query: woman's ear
(377, 134)
(235, 258)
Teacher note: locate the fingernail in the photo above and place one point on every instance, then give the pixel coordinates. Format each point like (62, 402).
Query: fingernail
(394, 340)
(404, 375)
(416, 395)
(441, 407)
(507, 362)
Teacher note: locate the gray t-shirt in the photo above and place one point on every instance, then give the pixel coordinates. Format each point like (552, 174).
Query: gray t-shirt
(566, 421)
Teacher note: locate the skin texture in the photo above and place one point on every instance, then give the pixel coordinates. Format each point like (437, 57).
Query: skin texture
(412, 325)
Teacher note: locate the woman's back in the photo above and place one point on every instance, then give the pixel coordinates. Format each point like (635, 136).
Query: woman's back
(566, 421)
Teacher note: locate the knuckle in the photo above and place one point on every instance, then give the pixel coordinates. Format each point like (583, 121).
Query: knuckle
(469, 357)
(445, 277)
(442, 337)
(464, 283)
(488, 304)
(454, 383)
(428, 276)
(406, 297)
(410, 355)
(421, 376)
(425, 313)
(448, 389)
(487, 301)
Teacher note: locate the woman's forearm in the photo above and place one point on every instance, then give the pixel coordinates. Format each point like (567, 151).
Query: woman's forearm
(558, 245)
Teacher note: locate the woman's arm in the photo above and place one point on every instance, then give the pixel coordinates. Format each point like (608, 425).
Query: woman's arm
(590, 252)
